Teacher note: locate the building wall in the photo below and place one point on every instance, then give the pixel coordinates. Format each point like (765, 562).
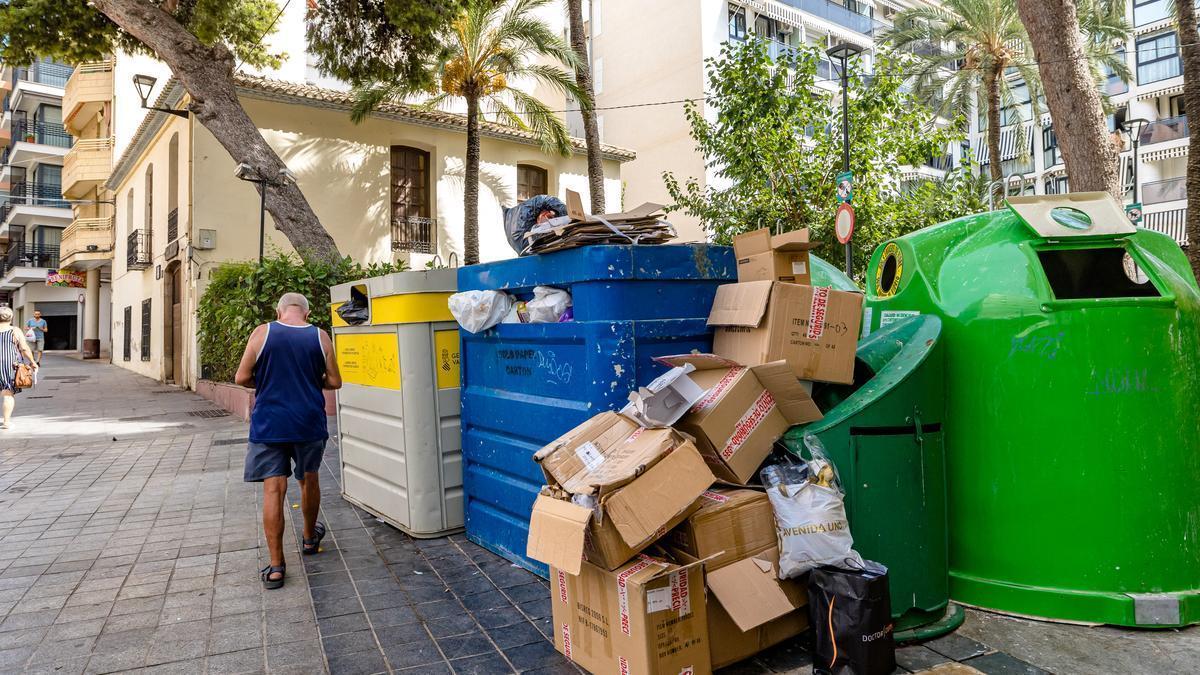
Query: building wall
(650, 51)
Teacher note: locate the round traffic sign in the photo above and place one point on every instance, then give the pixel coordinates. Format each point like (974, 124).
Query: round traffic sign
(843, 222)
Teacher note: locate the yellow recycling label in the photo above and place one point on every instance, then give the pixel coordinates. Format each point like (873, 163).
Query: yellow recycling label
(369, 359)
(445, 358)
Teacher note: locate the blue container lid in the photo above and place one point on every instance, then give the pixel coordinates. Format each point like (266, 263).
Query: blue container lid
(666, 262)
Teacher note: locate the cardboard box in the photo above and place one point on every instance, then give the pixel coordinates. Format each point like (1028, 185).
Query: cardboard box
(750, 608)
(815, 329)
(730, 524)
(613, 488)
(742, 413)
(648, 616)
(784, 257)
(662, 402)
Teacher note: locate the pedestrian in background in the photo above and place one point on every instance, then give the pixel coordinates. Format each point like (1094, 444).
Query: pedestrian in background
(12, 347)
(288, 362)
(38, 344)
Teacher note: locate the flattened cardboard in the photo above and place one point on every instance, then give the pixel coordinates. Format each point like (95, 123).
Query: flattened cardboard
(648, 616)
(730, 524)
(751, 592)
(761, 321)
(784, 257)
(662, 402)
(576, 213)
(643, 510)
(556, 533)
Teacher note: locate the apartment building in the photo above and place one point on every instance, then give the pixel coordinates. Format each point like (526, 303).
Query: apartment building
(34, 216)
(647, 51)
(1150, 107)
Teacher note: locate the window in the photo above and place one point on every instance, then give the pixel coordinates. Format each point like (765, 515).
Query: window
(531, 180)
(412, 227)
(129, 211)
(598, 75)
(1021, 109)
(737, 23)
(173, 188)
(146, 329)
(148, 213)
(127, 349)
(1057, 186)
(1150, 11)
(1050, 152)
(1175, 106)
(1113, 84)
(1158, 58)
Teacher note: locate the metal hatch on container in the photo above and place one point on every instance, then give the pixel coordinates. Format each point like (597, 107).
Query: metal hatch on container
(1073, 216)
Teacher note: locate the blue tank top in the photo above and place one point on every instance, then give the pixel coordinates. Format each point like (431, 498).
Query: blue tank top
(289, 404)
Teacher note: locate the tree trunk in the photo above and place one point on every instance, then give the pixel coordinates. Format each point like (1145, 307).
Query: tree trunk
(471, 185)
(591, 133)
(993, 124)
(206, 73)
(1188, 36)
(1071, 95)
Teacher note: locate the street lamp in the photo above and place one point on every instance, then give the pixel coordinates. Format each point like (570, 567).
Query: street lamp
(249, 174)
(144, 85)
(1134, 128)
(842, 52)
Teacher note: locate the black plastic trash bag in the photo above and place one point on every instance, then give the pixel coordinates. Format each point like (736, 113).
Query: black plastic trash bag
(357, 310)
(521, 218)
(851, 615)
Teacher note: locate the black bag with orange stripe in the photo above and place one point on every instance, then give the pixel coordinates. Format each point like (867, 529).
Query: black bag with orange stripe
(851, 615)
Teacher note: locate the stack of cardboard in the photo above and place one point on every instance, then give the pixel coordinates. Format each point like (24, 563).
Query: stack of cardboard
(645, 509)
(641, 225)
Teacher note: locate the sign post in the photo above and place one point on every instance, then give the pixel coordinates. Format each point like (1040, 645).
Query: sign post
(843, 220)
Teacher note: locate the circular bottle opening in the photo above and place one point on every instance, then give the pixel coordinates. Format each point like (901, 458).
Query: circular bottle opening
(1071, 217)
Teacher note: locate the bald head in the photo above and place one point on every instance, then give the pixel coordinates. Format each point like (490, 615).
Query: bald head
(292, 305)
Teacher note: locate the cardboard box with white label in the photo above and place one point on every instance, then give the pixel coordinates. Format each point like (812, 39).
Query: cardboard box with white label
(742, 412)
(647, 616)
(814, 328)
(783, 257)
(612, 489)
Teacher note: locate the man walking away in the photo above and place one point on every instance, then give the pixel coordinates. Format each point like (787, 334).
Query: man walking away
(38, 325)
(288, 362)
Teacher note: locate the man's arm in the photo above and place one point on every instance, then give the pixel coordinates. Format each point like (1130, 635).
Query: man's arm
(333, 376)
(245, 372)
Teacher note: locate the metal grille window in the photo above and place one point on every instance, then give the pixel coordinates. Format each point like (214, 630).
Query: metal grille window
(137, 246)
(1050, 152)
(412, 227)
(172, 225)
(146, 329)
(531, 181)
(127, 350)
(737, 22)
(1158, 58)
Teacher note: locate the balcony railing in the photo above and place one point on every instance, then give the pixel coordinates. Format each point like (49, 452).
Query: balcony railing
(87, 92)
(53, 74)
(88, 236)
(138, 255)
(415, 234)
(779, 51)
(1172, 223)
(23, 254)
(86, 165)
(36, 194)
(45, 133)
(942, 163)
(837, 13)
(1171, 129)
(1164, 190)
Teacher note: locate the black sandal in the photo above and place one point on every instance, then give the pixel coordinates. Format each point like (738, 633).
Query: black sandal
(268, 582)
(313, 546)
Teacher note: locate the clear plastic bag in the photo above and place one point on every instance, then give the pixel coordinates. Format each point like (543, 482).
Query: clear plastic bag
(478, 311)
(548, 305)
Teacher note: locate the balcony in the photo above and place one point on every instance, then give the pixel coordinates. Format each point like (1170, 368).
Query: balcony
(137, 250)
(25, 263)
(88, 243)
(40, 133)
(1161, 191)
(1163, 131)
(88, 90)
(86, 166)
(415, 234)
(779, 51)
(837, 13)
(43, 72)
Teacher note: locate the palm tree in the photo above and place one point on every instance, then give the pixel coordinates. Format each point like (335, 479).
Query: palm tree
(583, 77)
(985, 43)
(488, 47)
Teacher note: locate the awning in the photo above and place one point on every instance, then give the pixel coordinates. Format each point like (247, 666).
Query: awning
(1008, 144)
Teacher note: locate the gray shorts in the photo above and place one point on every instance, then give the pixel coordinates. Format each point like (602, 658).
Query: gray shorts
(38, 345)
(266, 460)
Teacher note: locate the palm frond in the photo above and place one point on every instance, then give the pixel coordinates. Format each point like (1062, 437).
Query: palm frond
(367, 97)
(544, 122)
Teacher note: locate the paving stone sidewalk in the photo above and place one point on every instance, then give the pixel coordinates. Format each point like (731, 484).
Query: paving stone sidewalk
(128, 542)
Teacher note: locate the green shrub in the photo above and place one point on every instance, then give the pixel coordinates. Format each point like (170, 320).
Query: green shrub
(242, 295)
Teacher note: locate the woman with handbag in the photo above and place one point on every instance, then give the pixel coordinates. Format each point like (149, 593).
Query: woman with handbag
(14, 373)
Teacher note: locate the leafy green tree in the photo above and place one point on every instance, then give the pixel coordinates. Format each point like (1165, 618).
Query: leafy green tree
(775, 144)
(489, 46)
(202, 41)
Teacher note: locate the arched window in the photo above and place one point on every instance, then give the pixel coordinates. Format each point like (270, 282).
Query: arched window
(148, 214)
(531, 181)
(129, 212)
(173, 188)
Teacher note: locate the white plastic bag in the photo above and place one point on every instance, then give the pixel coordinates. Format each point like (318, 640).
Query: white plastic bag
(548, 304)
(810, 515)
(478, 311)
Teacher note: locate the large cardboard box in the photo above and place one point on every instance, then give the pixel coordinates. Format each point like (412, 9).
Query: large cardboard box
(750, 608)
(815, 329)
(730, 524)
(648, 616)
(743, 411)
(613, 488)
(784, 257)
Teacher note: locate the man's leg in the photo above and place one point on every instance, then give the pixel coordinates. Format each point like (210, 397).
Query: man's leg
(310, 502)
(274, 492)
